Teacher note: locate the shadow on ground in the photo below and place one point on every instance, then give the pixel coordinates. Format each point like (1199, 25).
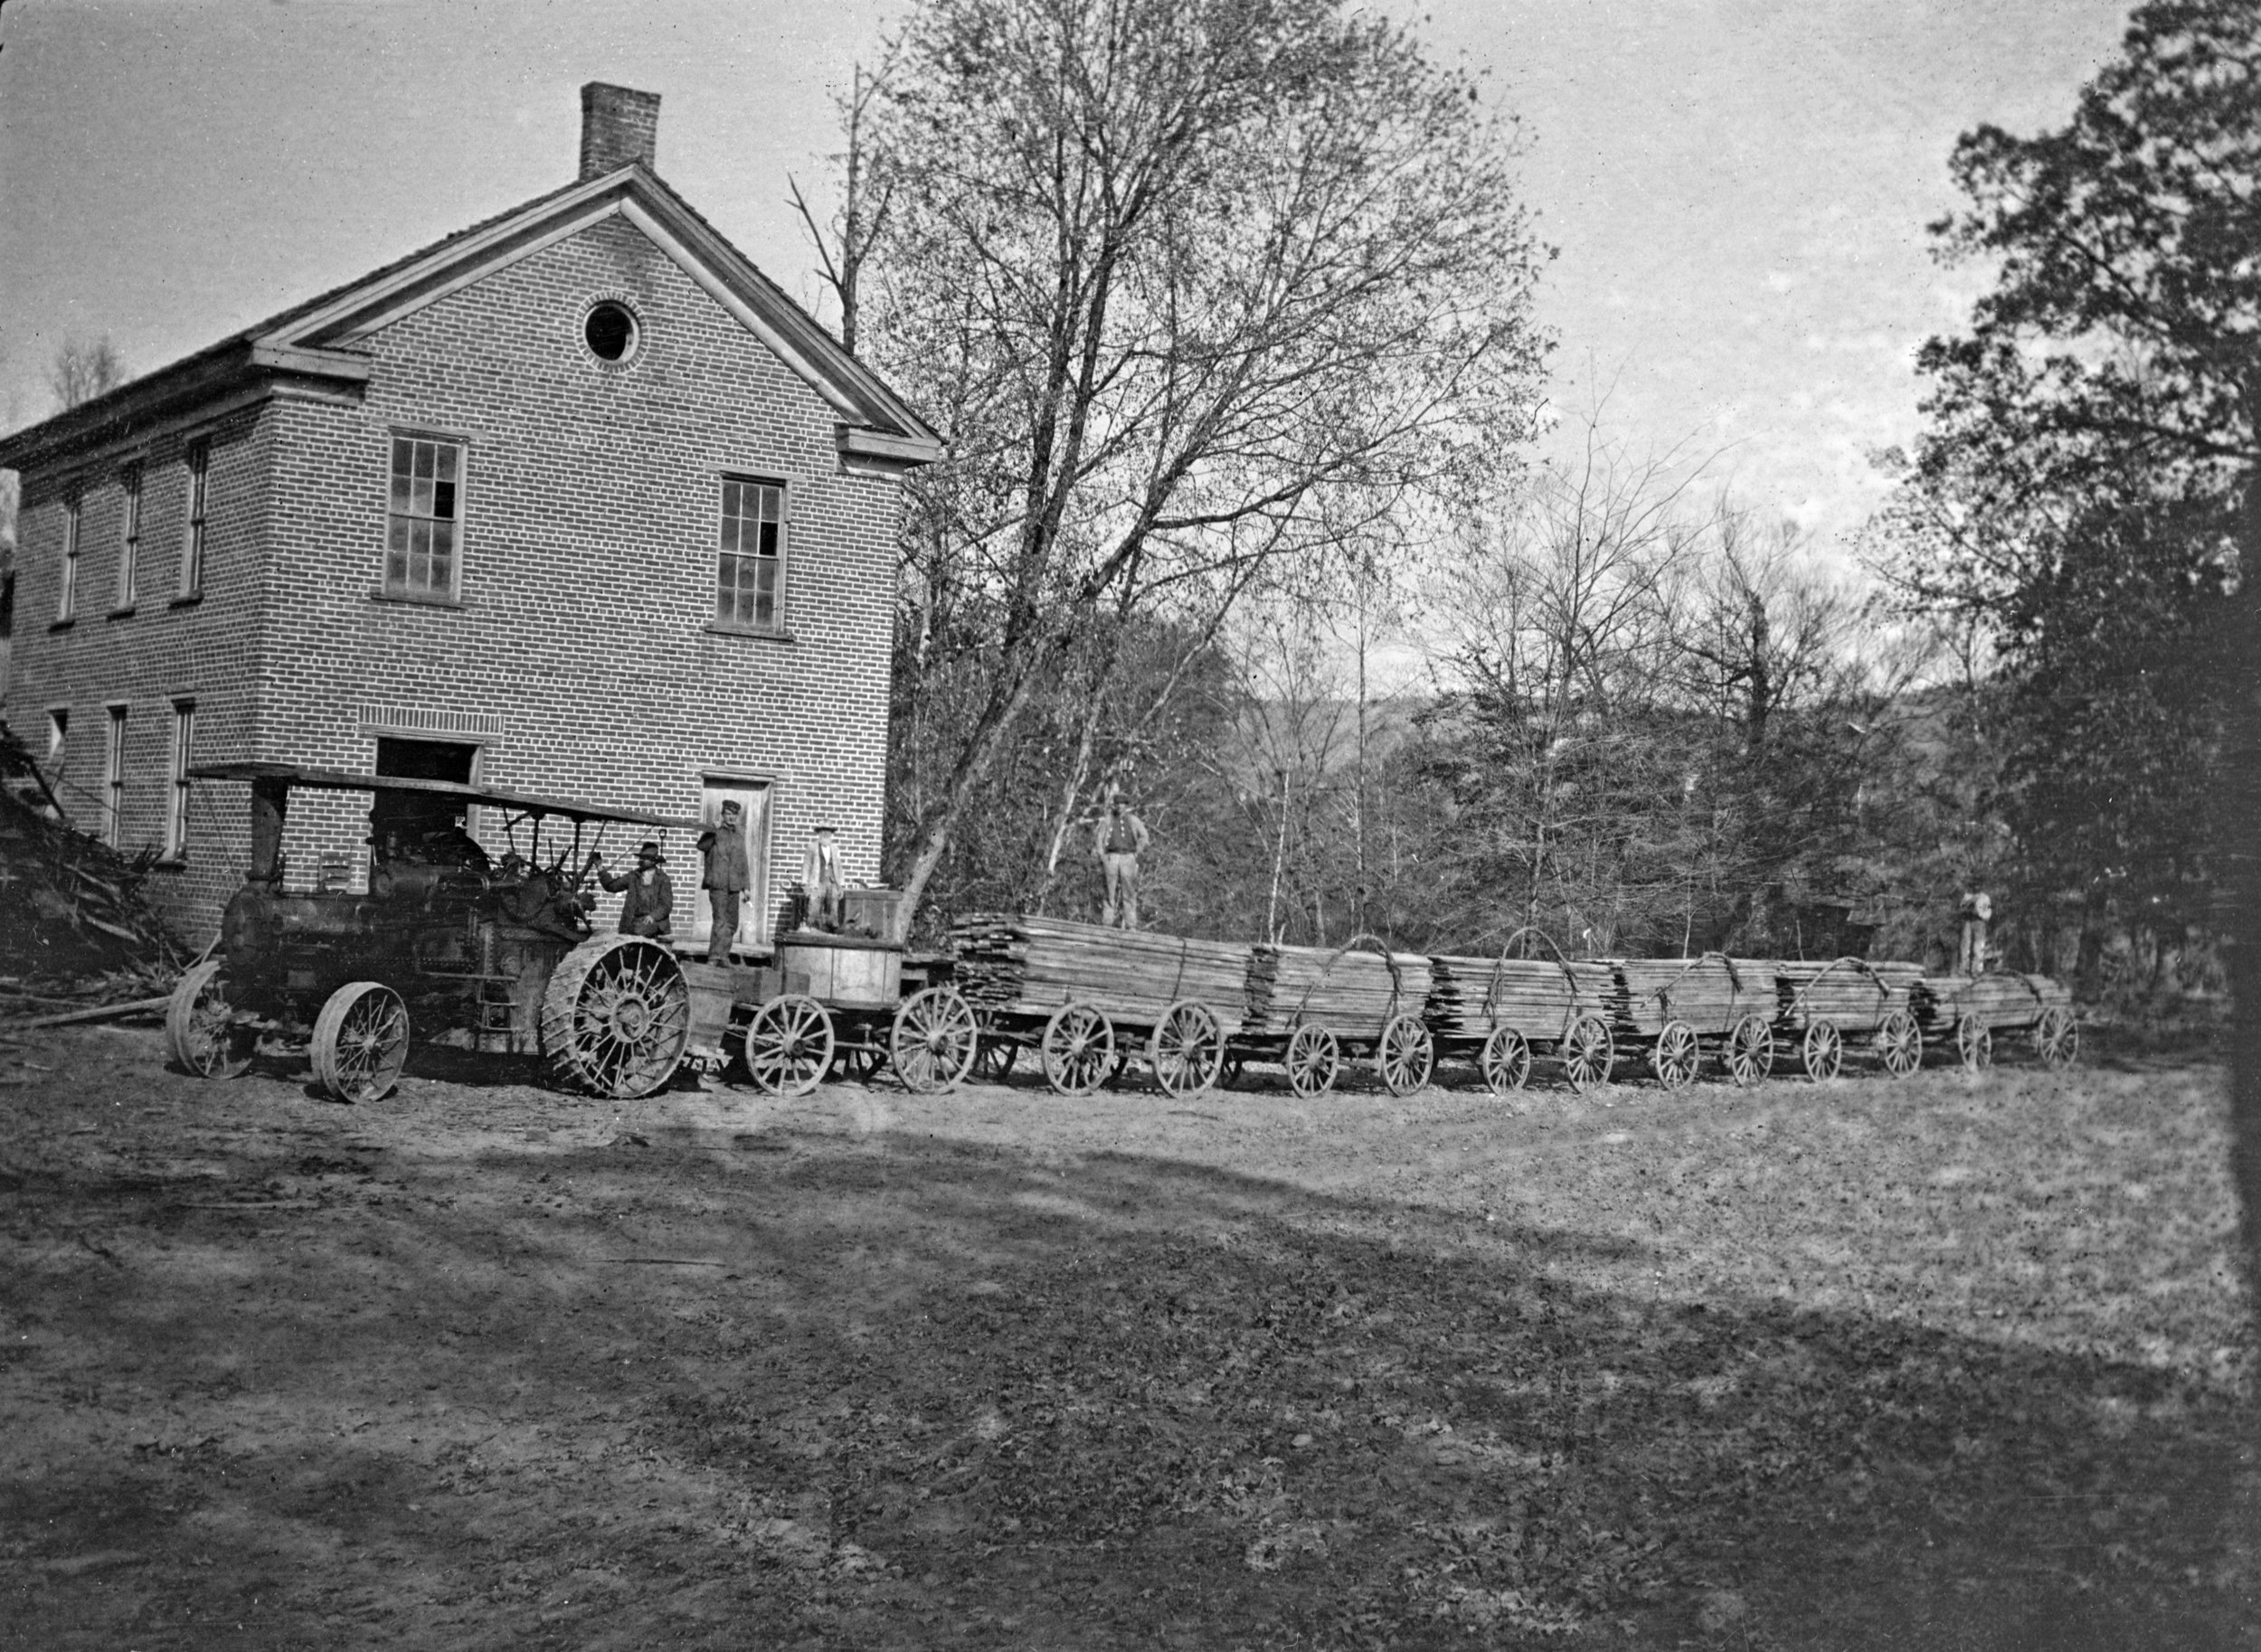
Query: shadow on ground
(773, 1389)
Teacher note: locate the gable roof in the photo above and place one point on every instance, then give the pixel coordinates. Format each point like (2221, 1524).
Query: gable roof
(320, 341)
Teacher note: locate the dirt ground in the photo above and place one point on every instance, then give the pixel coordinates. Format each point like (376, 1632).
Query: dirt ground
(1933, 1364)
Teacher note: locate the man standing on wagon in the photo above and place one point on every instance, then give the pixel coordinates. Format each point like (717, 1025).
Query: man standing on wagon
(727, 878)
(1122, 837)
(820, 879)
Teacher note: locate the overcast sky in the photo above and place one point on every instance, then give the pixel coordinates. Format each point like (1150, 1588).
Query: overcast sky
(1738, 188)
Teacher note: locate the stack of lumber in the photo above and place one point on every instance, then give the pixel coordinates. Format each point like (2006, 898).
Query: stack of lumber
(1851, 993)
(1016, 964)
(1998, 1001)
(1352, 994)
(1710, 993)
(76, 924)
(1471, 996)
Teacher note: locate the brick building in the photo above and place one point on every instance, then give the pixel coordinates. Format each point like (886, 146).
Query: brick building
(573, 502)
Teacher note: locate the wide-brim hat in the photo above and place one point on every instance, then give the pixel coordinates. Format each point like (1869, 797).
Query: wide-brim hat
(826, 831)
(649, 852)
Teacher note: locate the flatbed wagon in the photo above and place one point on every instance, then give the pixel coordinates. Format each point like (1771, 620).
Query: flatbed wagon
(1963, 1013)
(1503, 1014)
(1682, 1010)
(1823, 1005)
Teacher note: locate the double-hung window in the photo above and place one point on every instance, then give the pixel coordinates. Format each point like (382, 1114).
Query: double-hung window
(421, 553)
(751, 587)
(114, 778)
(176, 806)
(198, 459)
(129, 537)
(67, 594)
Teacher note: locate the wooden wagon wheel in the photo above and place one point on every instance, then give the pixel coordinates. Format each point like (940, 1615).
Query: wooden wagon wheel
(1405, 1056)
(2057, 1036)
(1079, 1050)
(994, 1059)
(1587, 1052)
(1505, 1060)
(360, 1041)
(1312, 1060)
(1898, 1043)
(201, 1032)
(1185, 1049)
(1823, 1050)
(1676, 1055)
(932, 1044)
(788, 1045)
(1974, 1043)
(1749, 1052)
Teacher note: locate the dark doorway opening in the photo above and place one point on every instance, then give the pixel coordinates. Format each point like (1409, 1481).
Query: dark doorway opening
(403, 816)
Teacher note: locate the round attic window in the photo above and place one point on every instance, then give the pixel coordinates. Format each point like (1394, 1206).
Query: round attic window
(610, 332)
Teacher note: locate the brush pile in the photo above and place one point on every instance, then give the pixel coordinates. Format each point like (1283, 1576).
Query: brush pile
(1352, 994)
(1710, 993)
(75, 928)
(1022, 965)
(1852, 994)
(1471, 996)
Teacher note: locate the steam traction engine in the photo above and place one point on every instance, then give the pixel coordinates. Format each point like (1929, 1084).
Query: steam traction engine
(462, 950)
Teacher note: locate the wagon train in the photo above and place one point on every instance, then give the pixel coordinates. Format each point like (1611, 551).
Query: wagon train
(449, 946)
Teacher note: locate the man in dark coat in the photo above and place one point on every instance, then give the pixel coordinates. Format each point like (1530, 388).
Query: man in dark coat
(726, 879)
(651, 898)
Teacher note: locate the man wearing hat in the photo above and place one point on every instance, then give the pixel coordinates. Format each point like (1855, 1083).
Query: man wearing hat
(726, 879)
(820, 879)
(651, 899)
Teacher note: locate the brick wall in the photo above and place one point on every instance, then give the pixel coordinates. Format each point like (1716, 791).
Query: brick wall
(160, 650)
(580, 657)
(591, 499)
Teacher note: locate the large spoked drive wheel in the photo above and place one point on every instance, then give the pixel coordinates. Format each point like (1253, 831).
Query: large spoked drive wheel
(1312, 1061)
(1749, 1055)
(2057, 1037)
(1823, 1051)
(1079, 1050)
(1588, 1052)
(1899, 1043)
(934, 1040)
(201, 1032)
(1507, 1061)
(616, 1016)
(360, 1041)
(1406, 1056)
(1676, 1056)
(788, 1045)
(1974, 1043)
(1185, 1049)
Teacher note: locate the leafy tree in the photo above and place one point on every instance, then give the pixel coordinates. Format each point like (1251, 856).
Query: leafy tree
(1195, 290)
(2089, 474)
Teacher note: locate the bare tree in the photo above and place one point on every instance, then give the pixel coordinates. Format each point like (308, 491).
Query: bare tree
(846, 243)
(83, 371)
(1186, 286)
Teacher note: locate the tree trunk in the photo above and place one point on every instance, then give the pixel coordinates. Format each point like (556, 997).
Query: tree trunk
(2240, 663)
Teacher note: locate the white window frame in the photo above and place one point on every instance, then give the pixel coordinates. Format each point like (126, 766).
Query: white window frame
(405, 590)
(130, 538)
(67, 598)
(177, 804)
(113, 773)
(729, 560)
(196, 460)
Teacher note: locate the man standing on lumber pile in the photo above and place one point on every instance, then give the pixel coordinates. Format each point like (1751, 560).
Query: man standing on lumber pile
(1978, 907)
(725, 879)
(1123, 837)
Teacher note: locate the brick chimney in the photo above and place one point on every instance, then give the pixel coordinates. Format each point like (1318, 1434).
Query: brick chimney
(617, 125)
